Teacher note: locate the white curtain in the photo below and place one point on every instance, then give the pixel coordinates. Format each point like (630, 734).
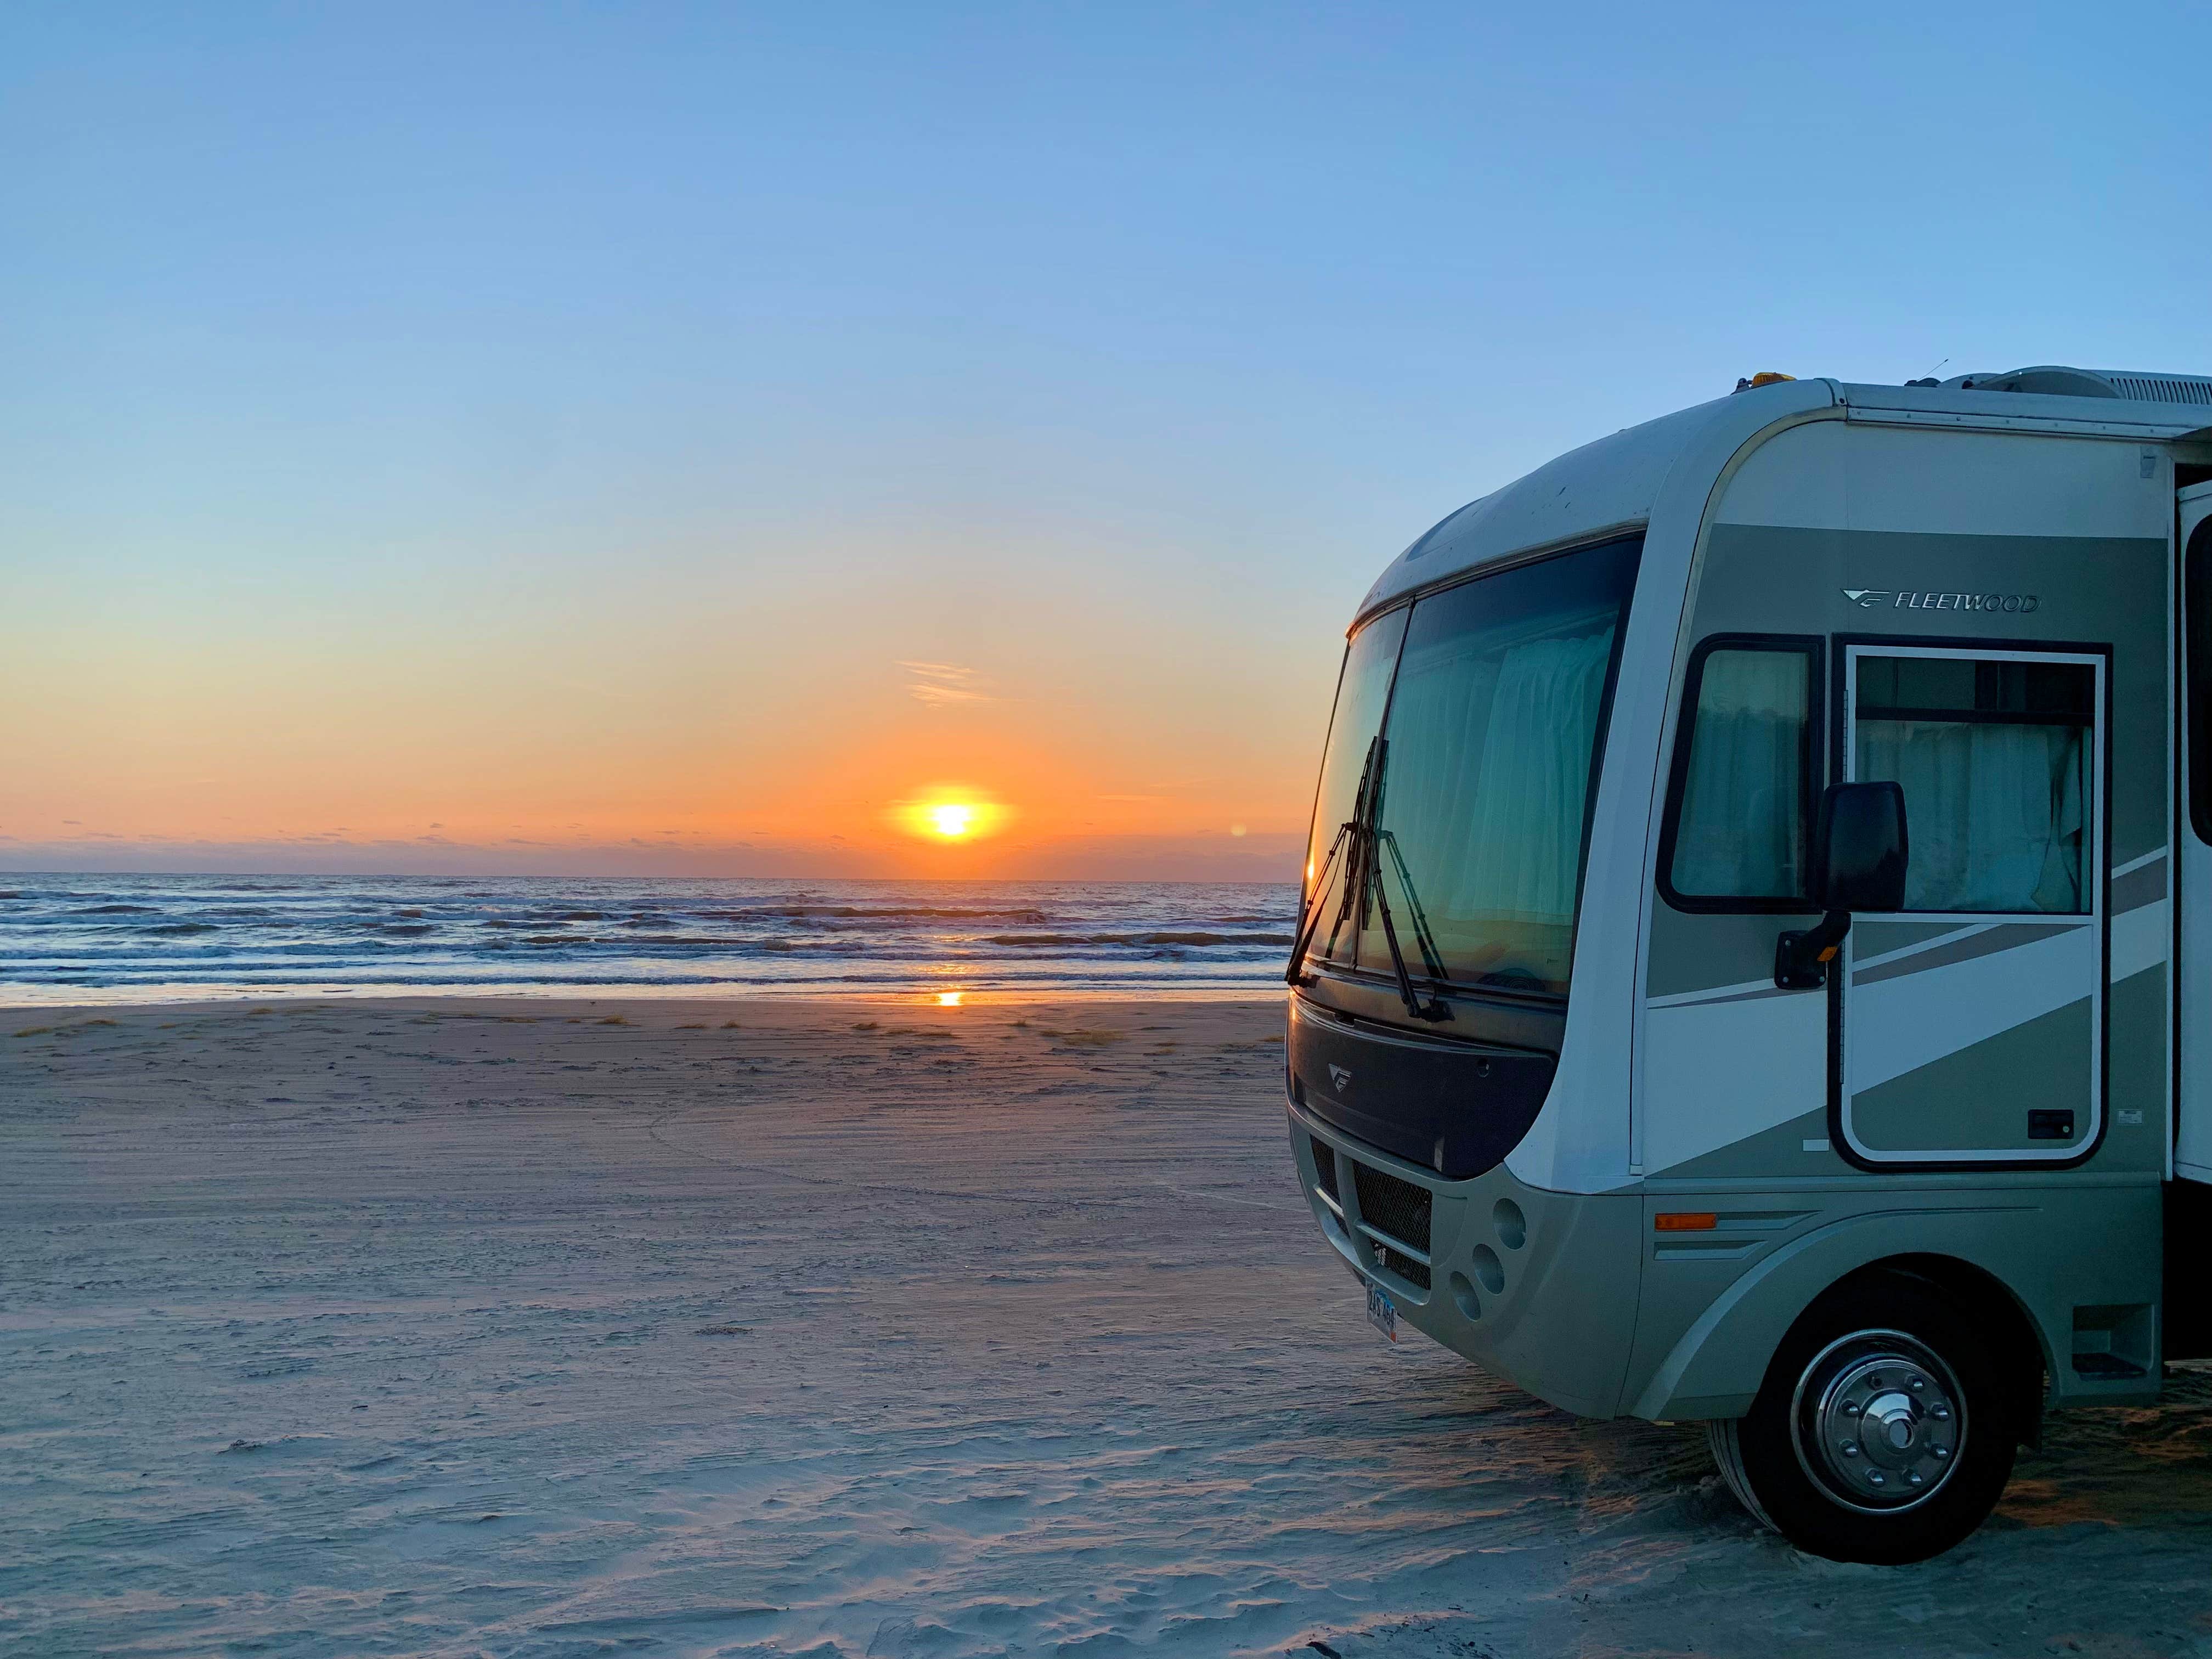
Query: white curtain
(1740, 831)
(1490, 765)
(1993, 811)
(1524, 837)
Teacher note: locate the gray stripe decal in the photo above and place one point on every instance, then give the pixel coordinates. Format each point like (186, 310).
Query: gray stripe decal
(1881, 958)
(1741, 996)
(2004, 936)
(2145, 884)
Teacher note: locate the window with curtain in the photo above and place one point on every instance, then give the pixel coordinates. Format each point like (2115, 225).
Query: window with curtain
(1740, 830)
(1994, 759)
(1493, 737)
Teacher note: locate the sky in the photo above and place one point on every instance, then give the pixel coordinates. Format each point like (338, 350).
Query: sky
(658, 439)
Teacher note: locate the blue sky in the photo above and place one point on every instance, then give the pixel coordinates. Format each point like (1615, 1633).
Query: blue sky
(569, 416)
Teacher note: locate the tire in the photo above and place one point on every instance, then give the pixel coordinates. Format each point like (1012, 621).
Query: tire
(1804, 1462)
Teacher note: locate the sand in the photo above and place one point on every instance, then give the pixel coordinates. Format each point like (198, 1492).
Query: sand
(790, 1327)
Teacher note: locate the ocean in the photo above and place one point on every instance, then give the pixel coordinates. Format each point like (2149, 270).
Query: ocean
(107, 939)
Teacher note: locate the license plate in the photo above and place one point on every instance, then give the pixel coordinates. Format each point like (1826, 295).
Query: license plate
(1382, 1313)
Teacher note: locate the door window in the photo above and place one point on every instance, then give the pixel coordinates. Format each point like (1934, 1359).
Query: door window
(1994, 756)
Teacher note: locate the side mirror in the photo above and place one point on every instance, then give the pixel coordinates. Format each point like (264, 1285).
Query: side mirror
(1859, 856)
(1859, 847)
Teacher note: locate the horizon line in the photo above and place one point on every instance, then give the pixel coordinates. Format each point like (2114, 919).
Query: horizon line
(427, 875)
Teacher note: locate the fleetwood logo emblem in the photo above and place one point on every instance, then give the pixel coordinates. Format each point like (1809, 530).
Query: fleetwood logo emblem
(1891, 598)
(1340, 1076)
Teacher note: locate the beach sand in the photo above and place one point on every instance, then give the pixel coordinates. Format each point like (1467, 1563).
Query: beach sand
(841, 1329)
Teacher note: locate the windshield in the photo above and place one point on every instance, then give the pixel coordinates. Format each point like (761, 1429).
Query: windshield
(1362, 692)
(1490, 697)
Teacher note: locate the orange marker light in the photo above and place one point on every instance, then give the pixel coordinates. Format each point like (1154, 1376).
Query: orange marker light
(1685, 1221)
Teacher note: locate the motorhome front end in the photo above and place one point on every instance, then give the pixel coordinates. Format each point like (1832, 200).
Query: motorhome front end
(1905, 675)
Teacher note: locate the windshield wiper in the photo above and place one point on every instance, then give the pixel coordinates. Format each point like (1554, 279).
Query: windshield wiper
(1371, 879)
(1431, 958)
(1361, 838)
(1347, 832)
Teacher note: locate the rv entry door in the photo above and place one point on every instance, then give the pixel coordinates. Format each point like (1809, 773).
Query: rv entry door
(2192, 1148)
(1970, 1026)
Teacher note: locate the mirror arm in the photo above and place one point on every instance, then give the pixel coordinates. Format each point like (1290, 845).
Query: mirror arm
(1801, 959)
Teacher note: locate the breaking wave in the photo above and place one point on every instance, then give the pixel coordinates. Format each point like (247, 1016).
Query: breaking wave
(149, 936)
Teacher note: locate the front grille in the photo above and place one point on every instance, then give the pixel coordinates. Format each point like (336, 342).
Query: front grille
(1414, 1273)
(1399, 1209)
(1325, 1168)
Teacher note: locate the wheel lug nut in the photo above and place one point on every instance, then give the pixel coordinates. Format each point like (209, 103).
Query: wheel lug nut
(1850, 1408)
(1942, 1451)
(1941, 1413)
(1874, 1477)
(1851, 1449)
(1913, 1476)
(1918, 1384)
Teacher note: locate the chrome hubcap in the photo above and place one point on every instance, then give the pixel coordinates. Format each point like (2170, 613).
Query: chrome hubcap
(1878, 1421)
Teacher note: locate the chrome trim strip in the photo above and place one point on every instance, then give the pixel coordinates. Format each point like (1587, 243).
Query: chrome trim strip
(1398, 1244)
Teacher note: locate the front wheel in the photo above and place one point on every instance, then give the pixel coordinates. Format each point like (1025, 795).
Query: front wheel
(1881, 1433)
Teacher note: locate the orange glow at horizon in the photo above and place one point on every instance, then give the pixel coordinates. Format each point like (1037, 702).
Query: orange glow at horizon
(459, 755)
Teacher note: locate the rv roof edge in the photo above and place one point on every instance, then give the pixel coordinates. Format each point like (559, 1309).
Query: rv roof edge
(1611, 486)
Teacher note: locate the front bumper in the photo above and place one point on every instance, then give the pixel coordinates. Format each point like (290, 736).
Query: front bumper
(1537, 1287)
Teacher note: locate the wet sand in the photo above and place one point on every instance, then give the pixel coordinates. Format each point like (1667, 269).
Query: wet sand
(790, 1327)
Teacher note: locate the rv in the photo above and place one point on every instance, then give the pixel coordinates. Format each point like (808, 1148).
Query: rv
(1755, 963)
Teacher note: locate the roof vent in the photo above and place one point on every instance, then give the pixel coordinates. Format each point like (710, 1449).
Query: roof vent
(2052, 380)
(2162, 388)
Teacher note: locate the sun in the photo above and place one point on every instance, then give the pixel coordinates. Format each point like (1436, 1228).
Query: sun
(950, 814)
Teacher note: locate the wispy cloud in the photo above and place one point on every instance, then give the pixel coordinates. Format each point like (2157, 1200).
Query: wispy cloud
(941, 683)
